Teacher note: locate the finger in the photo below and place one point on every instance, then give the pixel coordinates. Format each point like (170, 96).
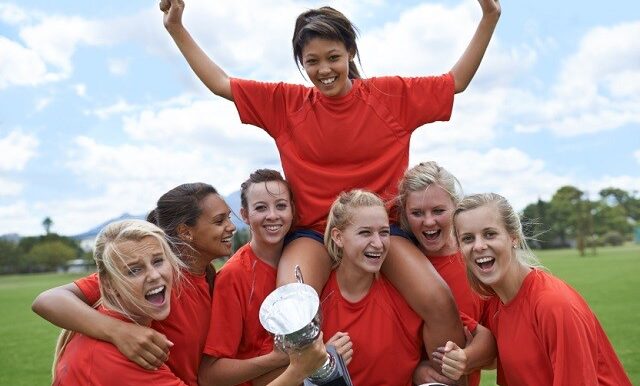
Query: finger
(144, 363)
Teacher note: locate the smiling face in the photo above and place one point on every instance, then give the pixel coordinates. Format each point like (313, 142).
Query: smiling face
(488, 247)
(148, 276)
(429, 214)
(212, 234)
(326, 63)
(269, 212)
(365, 240)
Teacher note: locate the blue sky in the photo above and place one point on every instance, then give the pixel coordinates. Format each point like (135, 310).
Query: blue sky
(99, 113)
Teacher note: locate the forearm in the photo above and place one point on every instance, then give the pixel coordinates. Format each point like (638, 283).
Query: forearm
(206, 69)
(481, 352)
(466, 67)
(290, 377)
(62, 307)
(229, 371)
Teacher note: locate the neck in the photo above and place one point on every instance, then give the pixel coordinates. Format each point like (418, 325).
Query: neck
(196, 263)
(354, 284)
(269, 253)
(510, 285)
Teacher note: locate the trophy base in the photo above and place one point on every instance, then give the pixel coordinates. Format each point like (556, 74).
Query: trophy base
(341, 376)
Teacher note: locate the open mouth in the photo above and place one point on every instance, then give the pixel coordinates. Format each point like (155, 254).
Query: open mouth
(485, 263)
(272, 228)
(156, 296)
(373, 255)
(431, 235)
(227, 239)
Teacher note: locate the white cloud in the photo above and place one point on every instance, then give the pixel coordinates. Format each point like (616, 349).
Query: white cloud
(510, 172)
(80, 89)
(11, 14)
(120, 107)
(20, 66)
(118, 67)
(42, 103)
(18, 217)
(17, 149)
(9, 188)
(598, 87)
(637, 155)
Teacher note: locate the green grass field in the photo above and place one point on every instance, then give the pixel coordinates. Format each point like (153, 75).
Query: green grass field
(608, 281)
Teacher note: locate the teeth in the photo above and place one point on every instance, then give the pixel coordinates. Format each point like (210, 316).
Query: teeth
(430, 233)
(155, 291)
(226, 240)
(273, 228)
(484, 260)
(328, 81)
(374, 255)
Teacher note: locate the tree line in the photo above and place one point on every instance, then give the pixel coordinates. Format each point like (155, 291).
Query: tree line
(570, 219)
(573, 219)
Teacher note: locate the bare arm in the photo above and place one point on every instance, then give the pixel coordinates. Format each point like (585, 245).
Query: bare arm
(479, 352)
(230, 371)
(206, 69)
(66, 307)
(466, 67)
(302, 364)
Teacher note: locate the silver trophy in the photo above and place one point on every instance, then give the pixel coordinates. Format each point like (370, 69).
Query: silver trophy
(292, 314)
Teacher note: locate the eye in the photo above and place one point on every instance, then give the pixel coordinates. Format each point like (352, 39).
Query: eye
(282, 206)
(364, 233)
(385, 232)
(438, 211)
(416, 213)
(310, 62)
(158, 261)
(466, 239)
(260, 208)
(490, 234)
(334, 58)
(134, 271)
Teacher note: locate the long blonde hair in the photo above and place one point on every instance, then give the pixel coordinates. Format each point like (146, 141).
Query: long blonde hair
(512, 224)
(113, 283)
(341, 214)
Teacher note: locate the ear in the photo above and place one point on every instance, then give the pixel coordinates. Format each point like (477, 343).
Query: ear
(336, 236)
(244, 215)
(184, 232)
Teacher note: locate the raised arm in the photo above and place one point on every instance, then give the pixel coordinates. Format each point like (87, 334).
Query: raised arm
(66, 307)
(466, 67)
(302, 364)
(206, 69)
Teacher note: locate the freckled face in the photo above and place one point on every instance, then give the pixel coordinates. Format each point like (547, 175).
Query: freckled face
(326, 63)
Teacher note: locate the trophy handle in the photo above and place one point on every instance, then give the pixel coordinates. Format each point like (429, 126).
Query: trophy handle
(298, 274)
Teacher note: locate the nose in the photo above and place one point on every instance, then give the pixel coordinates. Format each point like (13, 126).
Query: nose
(272, 213)
(429, 220)
(479, 245)
(231, 227)
(154, 273)
(376, 241)
(324, 68)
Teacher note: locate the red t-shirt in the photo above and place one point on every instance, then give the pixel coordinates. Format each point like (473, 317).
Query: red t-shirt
(241, 287)
(88, 361)
(186, 326)
(453, 270)
(386, 333)
(547, 335)
(330, 145)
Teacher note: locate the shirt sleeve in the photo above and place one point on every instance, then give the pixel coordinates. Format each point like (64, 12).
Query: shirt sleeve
(569, 337)
(227, 315)
(266, 105)
(417, 101)
(90, 287)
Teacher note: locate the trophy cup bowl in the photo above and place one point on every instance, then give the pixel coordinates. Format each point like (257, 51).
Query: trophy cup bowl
(291, 313)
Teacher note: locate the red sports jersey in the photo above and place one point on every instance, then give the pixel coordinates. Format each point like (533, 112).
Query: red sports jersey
(241, 286)
(330, 145)
(88, 361)
(186, 326)
(547, 335)
(452, 269)
(386, 333)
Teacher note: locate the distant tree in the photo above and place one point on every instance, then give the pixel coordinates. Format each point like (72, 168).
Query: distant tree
(49, 255)
(47, 223)
(240, 238)
(628, 202)
(9, 256)
(538, 225)
(27, 243)
(571, 215)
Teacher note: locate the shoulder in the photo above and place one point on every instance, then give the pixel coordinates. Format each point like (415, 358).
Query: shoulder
(244, 85)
